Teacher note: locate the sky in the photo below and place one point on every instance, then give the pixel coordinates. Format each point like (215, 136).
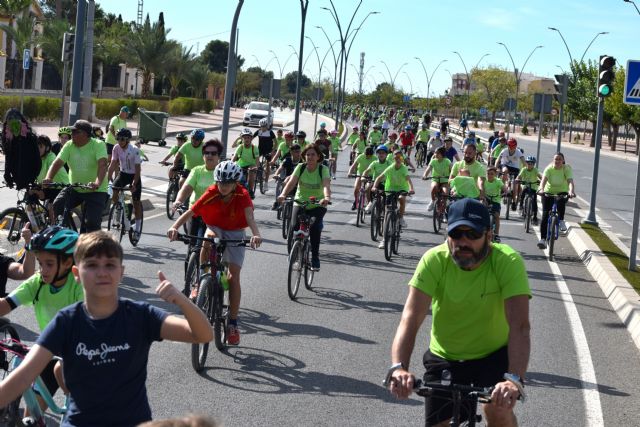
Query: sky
(405, 29)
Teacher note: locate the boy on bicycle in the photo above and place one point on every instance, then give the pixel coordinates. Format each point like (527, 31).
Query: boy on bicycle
(440, 168)
(359, 166)
(50, 290)
(181, 138)
(494, 188)
(105, 340)
(529, 175)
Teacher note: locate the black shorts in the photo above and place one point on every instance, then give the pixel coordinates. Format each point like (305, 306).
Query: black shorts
(123, 179)
(109, 149)
(265, 150)
(512, 171)
(485, 372)
(50, 194)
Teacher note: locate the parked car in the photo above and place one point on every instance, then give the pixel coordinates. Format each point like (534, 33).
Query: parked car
(255, 112)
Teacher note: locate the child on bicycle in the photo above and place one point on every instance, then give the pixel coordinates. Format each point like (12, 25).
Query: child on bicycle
(440, 168)
(51, 289)
(529, 175)
(226, 208)
(494, 188)
(61, 177)
(181, 138)
(360, 164)
(105, 340)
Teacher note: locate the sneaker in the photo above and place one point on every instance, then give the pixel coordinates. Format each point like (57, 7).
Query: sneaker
(513, 206)
(194, 293)
(431, 206)
(403, 223)
(381, 244)
(563, 226)
(542, 244)
(274, 206)
(233, 335)
(353, 206)
(534, 221)
(367, 209)
(496, 238)
(315, 263)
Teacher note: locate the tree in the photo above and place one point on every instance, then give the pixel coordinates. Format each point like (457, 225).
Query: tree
(494, 86)
(51, 42)
(263, 73)
(23, 35)
(582, 97)
(217, 80)
(147, 50)
(198, 78)
(12, 8)
(621, 113)
(215, 56)
(179, 61)
(291, 81)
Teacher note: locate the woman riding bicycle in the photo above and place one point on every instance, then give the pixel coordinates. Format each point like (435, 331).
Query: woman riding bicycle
(314, 182)
(227, 210)
(557, 179)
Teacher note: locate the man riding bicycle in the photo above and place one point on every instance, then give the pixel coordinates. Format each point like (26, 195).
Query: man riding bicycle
(246, 156)
(266, 147)
(510, 160)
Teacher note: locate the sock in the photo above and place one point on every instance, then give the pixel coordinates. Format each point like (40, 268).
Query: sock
(233, 322)
(138, 225)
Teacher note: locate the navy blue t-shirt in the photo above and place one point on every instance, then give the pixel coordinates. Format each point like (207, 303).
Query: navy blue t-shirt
(105, 362)
(451, 153)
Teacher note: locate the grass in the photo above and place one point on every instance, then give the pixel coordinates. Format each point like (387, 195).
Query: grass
(614, 254)
(340, 129)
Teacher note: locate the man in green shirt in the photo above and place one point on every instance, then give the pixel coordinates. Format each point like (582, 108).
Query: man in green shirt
(115, 124)
(86, 158)
(246, 156)
(478, 294)
(190, 153)
(475, 168)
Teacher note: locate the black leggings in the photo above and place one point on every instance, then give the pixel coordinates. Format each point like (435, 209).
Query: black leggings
(316, 229)
(547, 204)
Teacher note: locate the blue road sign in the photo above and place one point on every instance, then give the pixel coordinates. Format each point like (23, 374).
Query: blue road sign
(26, 59)
(406, 98)
(483, 111)
(632, 83)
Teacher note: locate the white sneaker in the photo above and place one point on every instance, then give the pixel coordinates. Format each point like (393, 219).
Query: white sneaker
(542, 244)
(381, 244)
(562, 226)
(430, 206)
(403, 223)
(367, 209)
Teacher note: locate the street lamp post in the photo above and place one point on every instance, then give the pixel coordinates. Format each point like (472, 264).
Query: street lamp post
(466, 110)
(304, 4)
(335, 72)
(231, 78)
(634, 5)
(410, 84)
(393, 79)
(257, 61)
(429, 79)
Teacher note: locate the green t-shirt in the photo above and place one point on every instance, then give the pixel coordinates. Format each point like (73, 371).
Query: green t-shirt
(335, 144)
(310, 183)
(174, 150)
(363, 162)
(116, 123)
(375, 136)
(465, 186)
(360, 145)
(192, 155)
(61, 176)
(352, 138)
(493, 190)
(83, 162)
(476, 169)
(526, 175)
(440, 168)
(423, 135)
(557, 179)
(199, 179)
(376, 168)
(396, 179)
(284, 149)
(246, 156)
(50, 299)
(495, 153)
(467, 308)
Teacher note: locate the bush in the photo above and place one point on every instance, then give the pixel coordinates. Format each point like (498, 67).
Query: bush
(107, 108)
(203, 105)
(35, 107)
(181, 106)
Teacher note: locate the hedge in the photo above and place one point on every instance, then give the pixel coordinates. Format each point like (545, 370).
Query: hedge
(35, 107)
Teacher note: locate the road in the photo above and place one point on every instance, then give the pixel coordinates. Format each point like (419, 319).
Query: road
(321, 360)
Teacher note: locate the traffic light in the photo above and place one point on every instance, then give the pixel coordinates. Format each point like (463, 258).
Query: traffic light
(606, 74)
(67, 46)
(562, 87)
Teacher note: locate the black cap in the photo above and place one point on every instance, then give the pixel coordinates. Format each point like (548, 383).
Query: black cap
(83, 125)
(469, 212)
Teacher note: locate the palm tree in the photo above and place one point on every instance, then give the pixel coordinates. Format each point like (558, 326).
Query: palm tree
(198, 78)
(178, 62)
(12, 8)
(147, 50)
(51, 42)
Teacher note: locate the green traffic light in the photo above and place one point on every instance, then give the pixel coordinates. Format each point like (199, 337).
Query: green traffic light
(604, 90)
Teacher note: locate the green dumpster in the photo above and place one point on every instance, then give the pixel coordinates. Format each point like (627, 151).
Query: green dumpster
(152, 126)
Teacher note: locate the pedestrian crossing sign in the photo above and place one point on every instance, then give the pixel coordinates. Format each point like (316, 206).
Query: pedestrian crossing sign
(632, 83)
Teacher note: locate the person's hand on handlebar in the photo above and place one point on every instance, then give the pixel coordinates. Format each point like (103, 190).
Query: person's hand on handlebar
(401, 383)
(572, 194)
(172, 233)
(505, 394)
(324, 202)
(256, 241)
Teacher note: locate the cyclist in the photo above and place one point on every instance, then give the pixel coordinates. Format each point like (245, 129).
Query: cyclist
(336, 147)
(246, 156)
(323, 127)
(529, 175)
(475, 168)
(301, 139)
(470, 139)
(557, 179)
(51, 289)
(313, 181)
(423, 137)
(440, 167)
(190, 154)
(324, 144)
(391, 144)
(500, 144)
(487, 345)
(117, 122)
(227, 210)
(64, 135)
(511, 159)
(10, 269)
(451, 153)
(286, 168)
(360, 165)
(126, 159)
(375, 136)
(98, 133)
(181, 138)
(463, 125)
(494, 189)
(87, 161)
(353, 137)
(407, 139)
(266, 147)
(375, 169)
(120, 330)
(434, 143)
(61, 177)
(283, 148)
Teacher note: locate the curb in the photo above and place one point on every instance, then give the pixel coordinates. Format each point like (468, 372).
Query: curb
(621, 295)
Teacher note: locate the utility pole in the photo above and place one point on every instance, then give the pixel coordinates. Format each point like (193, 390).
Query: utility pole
(88, 62)
(231, 79)
(304, 4)
(76, 74)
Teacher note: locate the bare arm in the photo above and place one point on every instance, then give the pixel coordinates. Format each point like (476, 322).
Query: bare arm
(293, 181)
(172, 233)
(177, 159)
(572, 187)
(24, 270)
(24, 375)
(53, 169)
(102, 172)
(184, 194)
(517, 312)
(113, 166)
(256, 240)
(326, 184)
(5, 308)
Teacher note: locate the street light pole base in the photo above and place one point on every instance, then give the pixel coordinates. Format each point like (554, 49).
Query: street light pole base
(590, 222)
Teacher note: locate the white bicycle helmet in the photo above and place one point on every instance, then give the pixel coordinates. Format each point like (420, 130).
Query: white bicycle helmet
(246, 131)
(227, 171)
(263, 123)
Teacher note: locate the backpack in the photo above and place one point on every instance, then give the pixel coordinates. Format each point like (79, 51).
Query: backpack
(20, 147)
(304, 167)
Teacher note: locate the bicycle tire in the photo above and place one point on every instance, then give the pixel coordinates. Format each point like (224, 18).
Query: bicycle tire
(508, 207)
(199, 351)
(12, 221)
(261, 177)
(436, 220)
(527, 213)
(309, 273)
(132, 235)
(172, 193)
(388, 235)
(551, 233)
(278, 191)
(220, 317)
(363, 205)
(396, 236)
(191, 274)
(10, 414)
(116, 230)
(286, 219)
(295, 270)
(359, 209)
(255, 183)
(492, 226)
(374, 221)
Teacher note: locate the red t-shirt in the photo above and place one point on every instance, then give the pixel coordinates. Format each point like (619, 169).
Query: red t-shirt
(406, 138)
(227, 216)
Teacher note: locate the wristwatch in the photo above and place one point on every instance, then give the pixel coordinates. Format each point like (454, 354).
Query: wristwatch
(390, 372)
(517, 381)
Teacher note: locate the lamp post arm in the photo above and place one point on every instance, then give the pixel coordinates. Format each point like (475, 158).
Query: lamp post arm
(436, 69)
(525, 62)
(594, 39)
(388, 71)
(397, 72)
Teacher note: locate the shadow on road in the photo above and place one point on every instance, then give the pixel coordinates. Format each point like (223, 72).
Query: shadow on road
(545, 380)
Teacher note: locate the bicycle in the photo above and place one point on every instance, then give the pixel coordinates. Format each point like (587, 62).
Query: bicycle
(377, 214)
(12, 353)
(392, 225)
(263, 164)
(300, 251)
(213, 296)
(361, 200)
(30, 209)
(421, 154)
(173, 189)
(492, 219)
(528, 194)
(508, 197)
(439, 204)
(122, 217)
(553, 226)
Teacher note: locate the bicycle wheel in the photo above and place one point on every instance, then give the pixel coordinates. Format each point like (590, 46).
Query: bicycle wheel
(308, 272)
(278, 191)
(204, 301)
(260, 177)
(552, 233)
(220, 316)
(172, 193)
(363, 205)
(132, 229)
(296, 264)
(12, 221)
(374, 221)
(286, 219)
(507, 206)
(396, 237)
(191, 275)
(10, 414)
(388, 235)
(359, 209)
(115, 224)
(527, 213)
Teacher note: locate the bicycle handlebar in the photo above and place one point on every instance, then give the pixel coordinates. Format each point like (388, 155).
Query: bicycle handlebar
(186, 238)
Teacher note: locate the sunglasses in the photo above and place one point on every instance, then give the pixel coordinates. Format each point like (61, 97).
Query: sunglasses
(210, 153)
(470, 234)
(122, 139)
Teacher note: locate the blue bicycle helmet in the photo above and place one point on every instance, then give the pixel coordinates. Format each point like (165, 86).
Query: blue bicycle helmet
(382, 147)
(530, 159)
(438, 134)
(407, 127)
(54, 239)
(197, 134)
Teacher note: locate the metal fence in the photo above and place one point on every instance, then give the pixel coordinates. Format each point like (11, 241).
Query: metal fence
(13, 75)
(51, 79)
(110, 76)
